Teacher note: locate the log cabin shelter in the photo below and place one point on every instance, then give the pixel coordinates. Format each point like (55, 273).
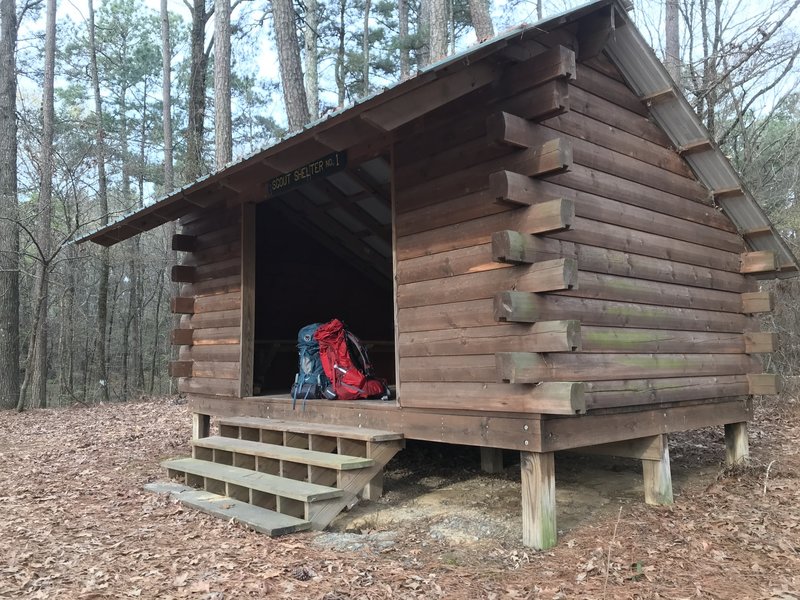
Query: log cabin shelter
(537, 238)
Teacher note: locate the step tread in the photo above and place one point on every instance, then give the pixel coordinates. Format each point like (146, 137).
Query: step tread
(260, 519)
(353, 433)
(255, 480)
(339, 462)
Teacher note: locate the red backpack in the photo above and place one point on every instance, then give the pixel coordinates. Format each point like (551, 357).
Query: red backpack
(346, 364)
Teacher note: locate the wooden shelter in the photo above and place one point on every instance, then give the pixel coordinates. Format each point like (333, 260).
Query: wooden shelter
(540, 241)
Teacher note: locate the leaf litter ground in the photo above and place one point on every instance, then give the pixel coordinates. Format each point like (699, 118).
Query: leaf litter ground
(76, 523)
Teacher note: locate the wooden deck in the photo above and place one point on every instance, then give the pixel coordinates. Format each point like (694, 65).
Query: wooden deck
(526, 432)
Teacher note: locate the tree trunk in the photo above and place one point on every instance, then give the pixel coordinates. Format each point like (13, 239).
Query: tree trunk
(402, 18)
(438, 30)
(166, 99)
(294, 94)
(424, 32)
(169, 173)
(197, 93)
(481, 20)
(672, 46)
(365, 51)
(101, 368)
(9, 231)
(38, 364)
(223, 143)
(340, 55)
(311, 36)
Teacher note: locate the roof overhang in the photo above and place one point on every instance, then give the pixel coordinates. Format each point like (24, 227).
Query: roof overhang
(367, 128)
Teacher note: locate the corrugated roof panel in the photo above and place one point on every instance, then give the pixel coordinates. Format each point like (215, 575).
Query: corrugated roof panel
(647, 76)
(671, 116)
(713, 170)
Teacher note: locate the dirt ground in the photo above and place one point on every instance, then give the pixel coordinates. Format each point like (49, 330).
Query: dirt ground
(76, 523)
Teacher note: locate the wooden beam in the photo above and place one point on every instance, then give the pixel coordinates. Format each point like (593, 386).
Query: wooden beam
(543, 102)
(658, 97)
(184, 243)
(658, 478)
(758, 262)
(760, 342)
(552, 152)
(737, 447)
(515, 188)
(757, 302)
(594, 31)
(182, 337)
(533, 367)
(724, 193)
(552, 64)
(538, 500)
(183, 274)
(763, 384)
(425, 98)
(180, 368)
(695, 147)
(645, 448)
(182, 305)
(508, 129)
(553, 275)
(543, 336)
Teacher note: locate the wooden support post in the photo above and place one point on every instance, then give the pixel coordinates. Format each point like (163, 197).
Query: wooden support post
(538, 500)
(201, 426)
(658, 477)
(491, 460)
(374, 489)
(737, 447)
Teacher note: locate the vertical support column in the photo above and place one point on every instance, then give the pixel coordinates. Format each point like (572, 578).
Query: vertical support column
(374, 489)
(658, 477)
(737, 446)
(538, 500)
(248, 258)
(201, 426)
(491, 460)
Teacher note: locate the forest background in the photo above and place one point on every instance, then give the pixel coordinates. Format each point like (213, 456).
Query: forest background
(106, 106)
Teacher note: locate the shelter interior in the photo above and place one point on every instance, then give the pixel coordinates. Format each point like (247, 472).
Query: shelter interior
(323, 250)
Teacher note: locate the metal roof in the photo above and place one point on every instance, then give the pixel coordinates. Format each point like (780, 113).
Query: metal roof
(378, 115)
(648, 77)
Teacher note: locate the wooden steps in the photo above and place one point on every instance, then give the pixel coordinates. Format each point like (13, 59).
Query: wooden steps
(287, 453)
(353, 433)
(305, 471)
(259, 519)
(252, 480)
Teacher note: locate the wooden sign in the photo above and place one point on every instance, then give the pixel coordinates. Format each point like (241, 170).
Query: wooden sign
(316, 169)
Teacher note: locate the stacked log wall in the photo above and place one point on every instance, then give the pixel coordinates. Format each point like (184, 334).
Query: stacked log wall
(209, 301)
(555, 254)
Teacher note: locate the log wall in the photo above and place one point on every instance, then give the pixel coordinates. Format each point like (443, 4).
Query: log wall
(209, 302)
(555, 254)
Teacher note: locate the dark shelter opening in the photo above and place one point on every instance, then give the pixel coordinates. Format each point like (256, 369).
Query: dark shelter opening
(324, 251)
